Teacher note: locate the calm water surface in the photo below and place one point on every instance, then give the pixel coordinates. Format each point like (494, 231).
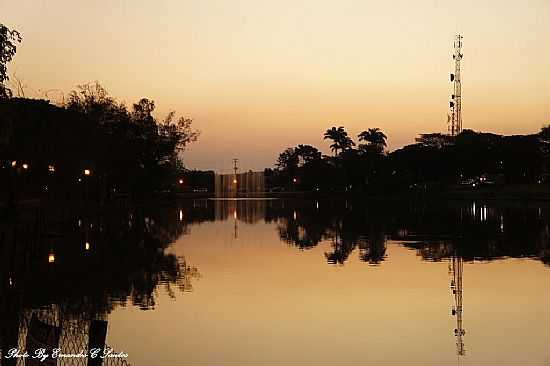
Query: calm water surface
(287, 282)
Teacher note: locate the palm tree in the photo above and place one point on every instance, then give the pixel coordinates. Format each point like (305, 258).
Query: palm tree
(373, 136)
(346, 142)
(334, 135)
(340, 138)
(375, 140)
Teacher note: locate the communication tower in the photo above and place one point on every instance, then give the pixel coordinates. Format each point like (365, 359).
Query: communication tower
(454, 120)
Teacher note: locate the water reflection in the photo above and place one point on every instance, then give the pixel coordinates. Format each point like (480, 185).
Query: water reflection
(346, 235)
(436, 230)
(456, 232)
(65, 270)
(456, 268)
(472, 230)
(69, 270)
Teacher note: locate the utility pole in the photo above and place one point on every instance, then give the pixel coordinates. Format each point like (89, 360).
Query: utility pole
(455, 118)
(235, 169)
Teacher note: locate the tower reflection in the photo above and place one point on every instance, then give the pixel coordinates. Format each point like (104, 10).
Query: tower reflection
(457, 271)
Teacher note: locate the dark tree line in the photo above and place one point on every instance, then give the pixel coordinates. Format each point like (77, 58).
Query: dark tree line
(435, 162)
(92, 147)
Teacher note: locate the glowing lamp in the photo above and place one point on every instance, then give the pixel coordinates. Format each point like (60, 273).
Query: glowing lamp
(87, 172)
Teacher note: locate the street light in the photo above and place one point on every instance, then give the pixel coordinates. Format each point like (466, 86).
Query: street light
(294, 180)
(87, 172)
(234, 181)
(51, 168)
(181, 181)
(87, 246)
(13, 163)
(25, 166)
(51, 257)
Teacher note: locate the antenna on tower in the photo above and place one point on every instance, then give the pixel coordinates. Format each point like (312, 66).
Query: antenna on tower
(454, 120)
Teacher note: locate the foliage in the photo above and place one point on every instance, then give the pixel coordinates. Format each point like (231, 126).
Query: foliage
(8, 46)
(340, 139)
(127, 150)
(288, 160)
(435, 161)
(373, 136)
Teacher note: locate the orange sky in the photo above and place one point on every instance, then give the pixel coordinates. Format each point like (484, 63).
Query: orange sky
(258, 76)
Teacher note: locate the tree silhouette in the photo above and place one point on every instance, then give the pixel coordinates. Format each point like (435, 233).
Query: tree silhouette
(374, 138)
(340, 138)
(8, 40)
(127, 150)
(132, 143)
(307, 154)
(288, 160)
(436, 162)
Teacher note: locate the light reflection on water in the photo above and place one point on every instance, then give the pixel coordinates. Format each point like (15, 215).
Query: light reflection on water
(294, 282)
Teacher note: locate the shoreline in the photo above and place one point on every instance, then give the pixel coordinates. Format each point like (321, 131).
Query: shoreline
(525, 193)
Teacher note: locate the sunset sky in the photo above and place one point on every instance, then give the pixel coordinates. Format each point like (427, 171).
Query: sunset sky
(259, 76)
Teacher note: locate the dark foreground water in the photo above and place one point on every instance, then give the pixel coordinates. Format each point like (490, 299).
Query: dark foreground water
(274, 282)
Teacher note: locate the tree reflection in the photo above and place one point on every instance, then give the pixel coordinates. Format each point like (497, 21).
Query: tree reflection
(306, 224)
(488, 233)
(304, 227)
(99, 259)
(69, 265)
(436, 230)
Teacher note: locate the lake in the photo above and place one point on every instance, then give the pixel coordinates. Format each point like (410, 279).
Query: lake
(282, 282)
